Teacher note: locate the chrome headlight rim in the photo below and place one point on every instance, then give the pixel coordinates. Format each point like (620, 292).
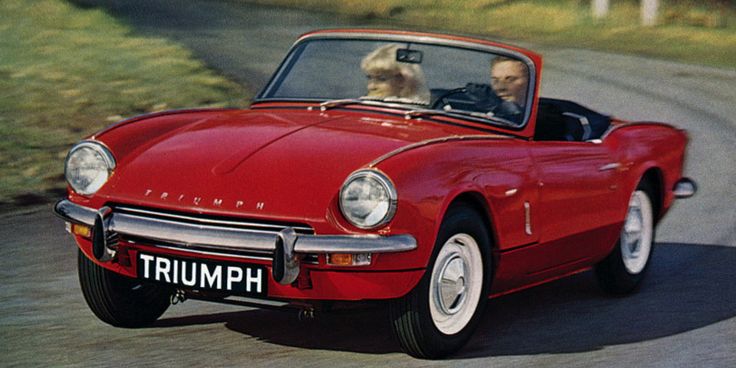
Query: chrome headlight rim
(388, 186)
(99, 148)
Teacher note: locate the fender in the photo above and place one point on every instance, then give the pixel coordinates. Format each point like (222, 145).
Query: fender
(141, 117)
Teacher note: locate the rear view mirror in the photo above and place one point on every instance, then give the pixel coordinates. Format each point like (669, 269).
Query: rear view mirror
(409, 56)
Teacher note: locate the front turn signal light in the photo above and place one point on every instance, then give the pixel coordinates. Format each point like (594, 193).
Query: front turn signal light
(81, 230)
(347, 259)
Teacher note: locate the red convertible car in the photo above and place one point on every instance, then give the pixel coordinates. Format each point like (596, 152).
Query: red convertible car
(421, 169)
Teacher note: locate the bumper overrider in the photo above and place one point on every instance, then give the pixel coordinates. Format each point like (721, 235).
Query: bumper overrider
(285, 246)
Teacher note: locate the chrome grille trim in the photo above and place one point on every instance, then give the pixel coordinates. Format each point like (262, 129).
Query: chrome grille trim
(113, 239)
(210, 253)
(306, 258)
(252, 226)
(184, 233)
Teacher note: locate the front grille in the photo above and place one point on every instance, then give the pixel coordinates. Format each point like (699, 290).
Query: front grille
(265, 227)
(255, 225)
(112, 240)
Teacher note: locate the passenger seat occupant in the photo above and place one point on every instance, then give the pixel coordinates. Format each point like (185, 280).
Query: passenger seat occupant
(389, 79)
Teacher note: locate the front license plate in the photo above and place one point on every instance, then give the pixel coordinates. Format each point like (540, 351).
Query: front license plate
(236, 278)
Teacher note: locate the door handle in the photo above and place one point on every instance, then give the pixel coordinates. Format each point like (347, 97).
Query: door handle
(611, 166)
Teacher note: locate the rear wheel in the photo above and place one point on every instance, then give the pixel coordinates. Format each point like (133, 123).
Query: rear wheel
(623, 269)
(118, 300)
(438, 317)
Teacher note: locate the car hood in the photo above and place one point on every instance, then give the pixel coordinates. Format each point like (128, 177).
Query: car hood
(276, 164)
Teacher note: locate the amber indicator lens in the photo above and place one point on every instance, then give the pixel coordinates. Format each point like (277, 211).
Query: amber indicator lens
(340, 259)
(345, 259)
(81, 230)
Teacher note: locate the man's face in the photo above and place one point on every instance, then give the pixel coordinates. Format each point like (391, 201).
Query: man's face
(509, 80)
(384, 84)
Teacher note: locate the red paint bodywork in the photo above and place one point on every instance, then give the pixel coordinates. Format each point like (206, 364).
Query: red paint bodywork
(279, 161)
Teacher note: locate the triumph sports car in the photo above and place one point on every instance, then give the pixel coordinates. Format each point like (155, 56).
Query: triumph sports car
(423, 170)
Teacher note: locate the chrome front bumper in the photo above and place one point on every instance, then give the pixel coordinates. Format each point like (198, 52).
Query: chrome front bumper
(285, 245)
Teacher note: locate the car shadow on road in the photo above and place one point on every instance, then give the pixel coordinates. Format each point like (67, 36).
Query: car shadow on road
(689, 286)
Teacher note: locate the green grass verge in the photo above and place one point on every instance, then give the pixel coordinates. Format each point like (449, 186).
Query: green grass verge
(697, 32)
(66, 72)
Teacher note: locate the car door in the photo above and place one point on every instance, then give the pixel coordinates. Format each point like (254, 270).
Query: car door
(576, 207)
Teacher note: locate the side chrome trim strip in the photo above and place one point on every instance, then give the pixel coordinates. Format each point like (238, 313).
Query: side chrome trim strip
(527, 218)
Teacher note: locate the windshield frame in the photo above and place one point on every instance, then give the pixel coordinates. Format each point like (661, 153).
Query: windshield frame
(296, 49)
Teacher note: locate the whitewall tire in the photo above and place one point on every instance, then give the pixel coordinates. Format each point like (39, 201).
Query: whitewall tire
(623, 270)
(439, 316)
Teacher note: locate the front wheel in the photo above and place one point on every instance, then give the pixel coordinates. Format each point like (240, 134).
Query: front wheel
(623, 269)
(438, 317)
(118, 300)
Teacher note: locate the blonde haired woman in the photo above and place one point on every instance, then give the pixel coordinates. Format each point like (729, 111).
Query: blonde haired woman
(392, 80)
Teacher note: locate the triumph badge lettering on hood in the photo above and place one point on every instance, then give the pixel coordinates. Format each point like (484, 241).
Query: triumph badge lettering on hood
(200, 201)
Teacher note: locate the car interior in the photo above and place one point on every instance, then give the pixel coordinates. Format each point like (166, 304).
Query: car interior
(562, 120)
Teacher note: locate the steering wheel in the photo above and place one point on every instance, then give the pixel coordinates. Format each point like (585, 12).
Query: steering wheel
(443, 99)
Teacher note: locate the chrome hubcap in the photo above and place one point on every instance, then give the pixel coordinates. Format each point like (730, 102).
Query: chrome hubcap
(456, 284)
(636, 236)
(452, 285)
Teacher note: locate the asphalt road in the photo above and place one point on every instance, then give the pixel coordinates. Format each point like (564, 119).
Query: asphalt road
(684, 315)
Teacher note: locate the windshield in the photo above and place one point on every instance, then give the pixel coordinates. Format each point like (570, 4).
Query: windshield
(448, 79)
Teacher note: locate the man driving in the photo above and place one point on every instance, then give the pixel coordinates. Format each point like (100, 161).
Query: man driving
(510, 79)
(506, 96)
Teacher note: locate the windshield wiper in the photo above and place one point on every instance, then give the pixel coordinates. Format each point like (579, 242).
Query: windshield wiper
(335, 103)
(393, 103)
(418, 113)
(415, 113)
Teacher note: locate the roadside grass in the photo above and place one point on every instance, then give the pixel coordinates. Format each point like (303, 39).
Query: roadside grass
(67, 72)
(696, 32)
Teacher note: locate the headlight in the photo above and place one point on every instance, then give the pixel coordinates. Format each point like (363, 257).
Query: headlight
(88, 166)
(368, 199)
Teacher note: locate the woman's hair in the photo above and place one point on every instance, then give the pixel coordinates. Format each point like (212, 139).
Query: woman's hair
(383, 60)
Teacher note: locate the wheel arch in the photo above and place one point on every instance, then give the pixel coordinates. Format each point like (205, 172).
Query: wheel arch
(655, 178)
(478, 203)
